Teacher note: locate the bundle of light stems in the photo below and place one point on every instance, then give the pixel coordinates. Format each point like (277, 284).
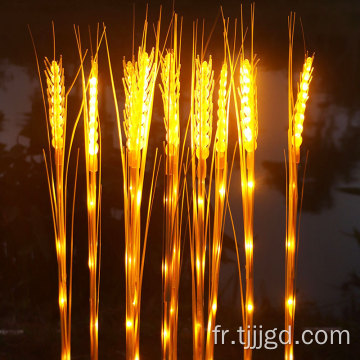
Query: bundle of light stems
(57, 180)
(247, 147)
(296, 120)
(93, 188)
(247, 125)
(170, 90)
(139, 84)
(93, 183)
(202, 86)
(221, 169)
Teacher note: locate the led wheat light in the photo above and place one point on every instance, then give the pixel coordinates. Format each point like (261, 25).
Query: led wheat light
(93, 203)
(247, 144)
(57, 118)
(247, 124)
(56, 99)
(139, 80)
(139, 83)
(296, 120)
(201, 127)
(93, 186)
(170, 90)
(221, 145)
(300, 106)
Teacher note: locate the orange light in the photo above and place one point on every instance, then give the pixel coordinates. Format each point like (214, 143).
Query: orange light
(93, 124)
(214, 307)
(222, 125)
(248, 106)
(56, 99)
(302, 97)
(204, 87)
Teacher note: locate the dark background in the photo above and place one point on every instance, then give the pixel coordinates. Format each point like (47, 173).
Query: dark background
(329, 268)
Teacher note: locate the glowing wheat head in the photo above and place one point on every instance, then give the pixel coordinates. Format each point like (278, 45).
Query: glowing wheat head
(220, 150)
(93, 112)
(248, 114)
(204, 87)
(54, 73)
(248, 131)
(302, 97)
(222, 125)
(93, 200)
(138, 83)
(170, 91)
(56, 98)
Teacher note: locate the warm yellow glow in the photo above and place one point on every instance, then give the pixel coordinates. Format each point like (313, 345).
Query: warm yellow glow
(250, 307)
(65, 355)
(203, 107)
(138, 81)
(166, 334)
(290, 302)
(248, 115)
(58, 246)
(93, 124)
(54, 73)
(222, 123)
(139, 84)
(302, 97)
(214, 307)
(62, 301)
(93, 82)
(251, 184)
(249, 246)
(200, 201)
(296, 126)
(201, 135)
(222, 191)
(91, 128)
(170, 90)
(56, 99)
(290, 244)
(198, 264)
(139, 196)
